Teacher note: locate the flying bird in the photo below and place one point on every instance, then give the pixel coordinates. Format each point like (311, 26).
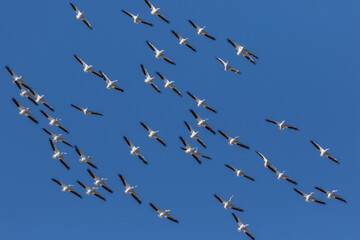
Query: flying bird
(155, 11)
(243, 227)
(58, 155)
(135, 150)
(99, 181)
(242, 51)
(153, 134)
(80, 15)
(159, 53)
(309, 197)
(16, 78)
(194, 134)
(267, 163)
(91, 190)
(57, 138)
(54, 121)
(233, 140)
(324, 152)
(136, 18)
(84, 158)
(40, 99)
(331, 194)
(227, 204)
(86, 110)
(282, 124)
(163, 213)
(201, 102)
(25, 93)
(202, 122)
(169, 84)
(129, 189)
(24, 111)
(66, 188)
(110, 84)
(227, 66)
(87, 68)
(183, 41)
(149, 79)
(282, 175)
(201, 30)
(239, 172)
(192, 150)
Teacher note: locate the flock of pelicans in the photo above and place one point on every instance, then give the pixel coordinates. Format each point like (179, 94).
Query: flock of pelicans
(35, 98)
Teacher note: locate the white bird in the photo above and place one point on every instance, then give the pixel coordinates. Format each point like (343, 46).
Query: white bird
(201, 30)
(324, 152)
(163, 213)
(233, 140)
(15, 77)
(86, 110)
(242, 51)
(282, 175)
(149, 79)
(66, 188)
(242, 227)
(54, 121)
(57, 138)
(91, 190)
(59, 155)
(129, 189)
(201, 102)
(136, 18)
(227, 204)
(155, 11)
(309, 197)
(267, 163)
(193, 151)
(183, 40)
(153, 134)
(135, 150)
(194, 134)
(110, 84)
(24, 111)
(99, 181)
(282, 124)
(159, 53)
(227, 66)
(87, 68)
(239, 172)
(331, 194)
(40, 99)
(84, 158)
(169, 84)
(202, 122)
(26, 93)
(80, 15)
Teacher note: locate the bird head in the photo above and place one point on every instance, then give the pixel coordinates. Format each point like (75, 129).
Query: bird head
(334, 191)
(167, 211)
(104, 179)
(70, 185)
(231, 198)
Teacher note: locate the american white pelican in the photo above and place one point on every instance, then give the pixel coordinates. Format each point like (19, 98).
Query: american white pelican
(155, 11)
(282, 175)
(57, 137)
(202, 122)
(324, 152)
(242, 227)
(309, 197)
(201, 102)
(331, 194)
(54, 121)
(87, 68)
(91, 190)
(16, 78)
(129, 189)
(201, 30)
(25, 93)
(159, 53)
(58, 155)
(169, 84)
(110, 84)
(66, 188)
(86, 110)
(282, 124)
(194, 134)
(40, 99)
(135, 150)
(192, 150)
(99, 181)
(267, 163)
(183, 40)
(239, 172)
(163, 213)
(24, 111)
(149, 79)
(84, 158)
(233, 140)
(80, 15)
(242, 51)
(153, 134)
(227, 204)
(227, 66)
(136, 18)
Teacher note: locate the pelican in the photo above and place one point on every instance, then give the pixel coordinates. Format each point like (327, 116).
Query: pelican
(193, 151)
(202, 122)
(159, 53)
(201, 30)
(99, 181)
(232, 140)
(40, 99)
(239, 172)
(282, 124)
(183, 41)
(110, 84)
(16, 78)
(169, 84)
(24, 111)
(227, 66)
(324, 152)
(331, 194)
(267, 163)
(227, 204)
(282, 175)
(87, 68)
(129, 189)
(135, 150)
(54, 121)
(84, 158)
(136, 18)
(155, 11)
(309, 197)
(242, 227)
(163, 213)
(194, 134)
(242, 51)
(91, 190)
(86, 110)
(25, 93)
(201, 102)
(80, 15)
(153, 134)
(66, 188)
(149, 79)
(57, 138)
(58, 155)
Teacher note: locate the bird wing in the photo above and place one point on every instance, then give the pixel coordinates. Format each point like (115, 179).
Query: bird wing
(262, 156)
(144, 70)
(249, 234)
(80, 60)
(49, 132)
(58, 182)
(300, 192)
(62, 127)
(234, 44)
(202, 155)
(208, 35)
(99, 196)
(81, 154)
(18, 104)
(185, 142)
(195, 115)
(87, 23)
(317, 200)
(220, 60)
(145, 22)
(64, 163)
(53, 145)
(291, 127)
(234, 70)
(46, 115)
(224, 134)
(128, 13)
(340, 198)
(83, 185)
(152, 46)
(103, 75)
(332, 158)
(236, 208)
(237, 219)
(92, 174)
(162, 17)
(171, 218)
(168, 59)
(178, 36)
(194, 24)
(128, 142)
(290, 180)
(176, 90)
(192, 96)
(155, 87)
(155, 207)
(160, 140)
(272, 121)
(12, 73)
(242, 144)
(196, 158)
(116, 87)
(162, 77)
(209, 107)
(207, 126)
(149, 4)
(251, 54)
(123, 180)
(136, 197)
(142, 158)
(316, 145)
(190, 46)
(189, 127)
(75, 8)
(96, 73)
(146, 127)
(95, 113)
(231, 167)
(29, 115)
(220, 199)
(91, 164)
(322, 190)
(200, 141)
(76, 193)
(106, 187)
(248, 177)
(77, 107)
(47, 105)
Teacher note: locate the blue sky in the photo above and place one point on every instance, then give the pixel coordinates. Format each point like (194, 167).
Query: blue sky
(307, 74)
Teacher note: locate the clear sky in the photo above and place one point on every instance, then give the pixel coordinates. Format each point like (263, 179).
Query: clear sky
(307, 74)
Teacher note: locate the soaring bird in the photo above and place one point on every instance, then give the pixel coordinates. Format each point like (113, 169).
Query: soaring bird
(56, 138)
(84, 158)
(66, 188)
(194, 134)
(331, 194)
(227, 66)
(24, 111)
(202, 122)
(153, 134)
(163, 213)
(87, 68)
(58, 155)
(324, 152)
(86, 110)
(54, 121)
(227, 204)
(183, 41)
(109, 83)
(192, 150)
(200, 30)
(201, 102)
(156, 11)
(233, 140)
(135, 150)
(159, 53)
(282, 124)
(243, 51)
(136, 18)
(99, 181)
(80, 15)
(129, 189)
(267, 163)
(26, 93)
(309, 197)
(149, 79)
(90, 190)
(242, 227)
(239, 172)
(16, 78)
(169, 84)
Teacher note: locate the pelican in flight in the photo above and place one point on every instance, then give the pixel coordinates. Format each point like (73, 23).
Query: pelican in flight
(66, 188)
(183, 41)
(54, 121)
(86, 110)
(227, 66)
(193, 151)
(159, 53)
(99, 181)
(267, 163)
(201, 30)
(169, 84)
(282, 175)
(239, 172)
(25, 93)
(242, 227)
(331, 194)
(155, 11)
(136, 18)
(87, 68)
(194, 134)
(202, 122)
(80, 15)
(110, 84)
(57, 138)
(153, 134)
(232, 140)
(163, 213)
(227, 204)
(135, 150)
(91, 190)
(309, 197)
(324, 152)
(16, 78)
(40, 99)
(84, 158)
(242, 51)
(201, 102)
(149, 79)
(58, 155)
(282, 124)
(129, 189)
(24, 111)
